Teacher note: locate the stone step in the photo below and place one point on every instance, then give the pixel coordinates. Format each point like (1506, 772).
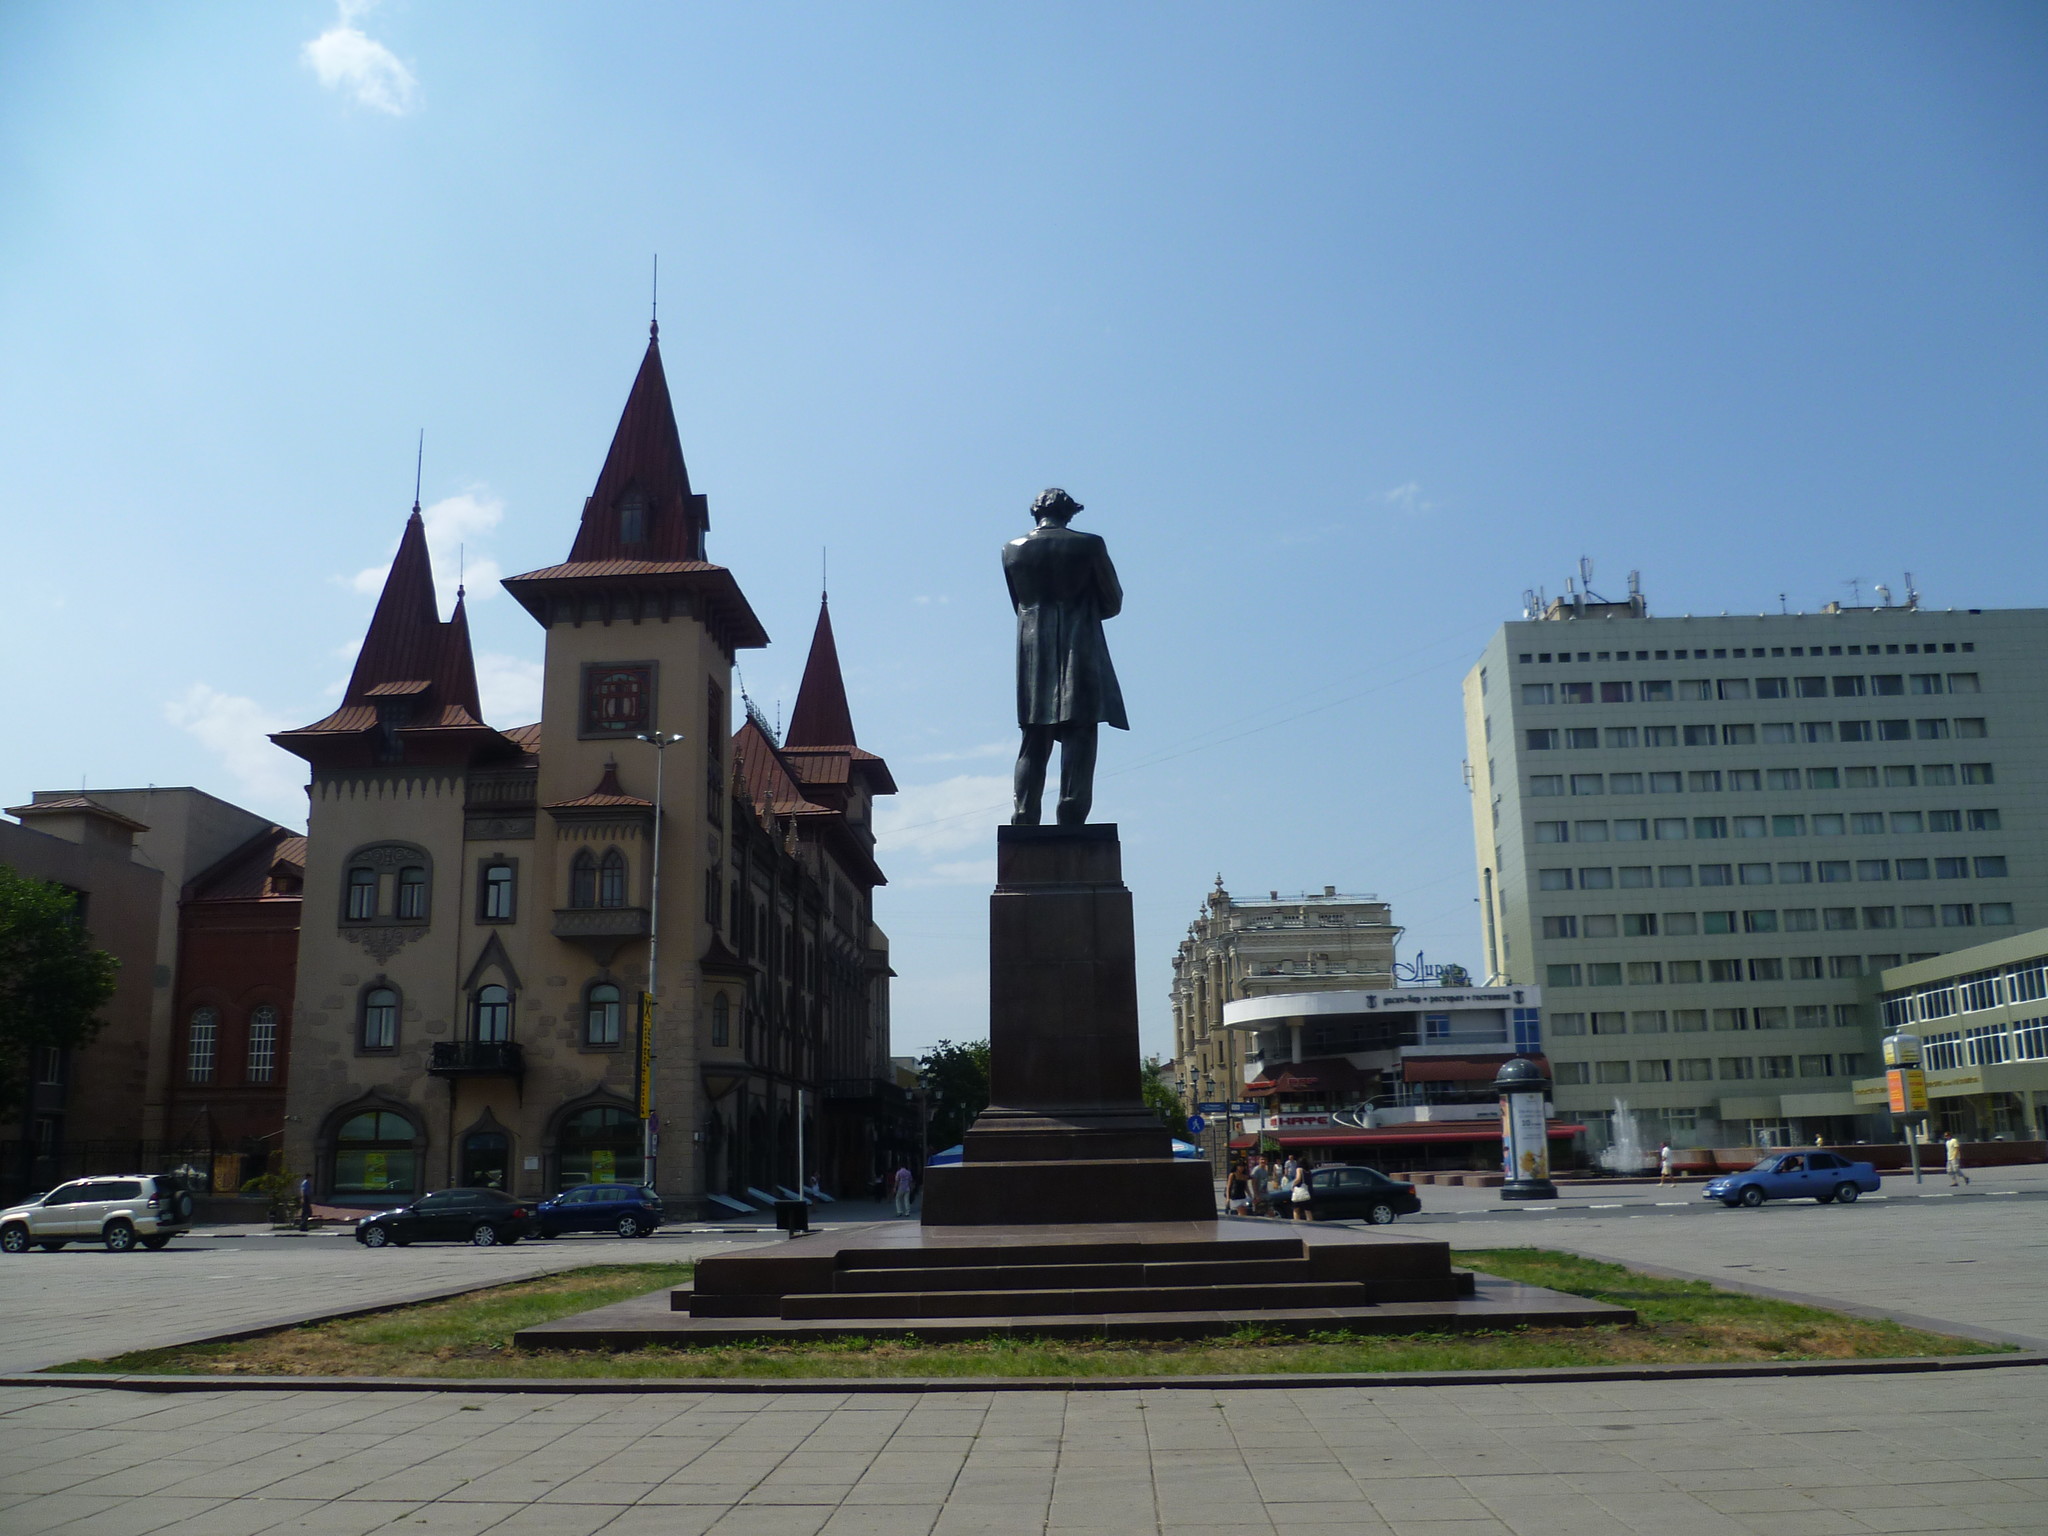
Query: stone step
(1250, 1299)
(1044, 1276)
(980, 1255)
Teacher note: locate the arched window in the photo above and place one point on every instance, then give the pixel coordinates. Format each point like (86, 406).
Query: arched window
(362, 894)
(412, 892)
(263, 1044)
(497, 893)
(611, 880)
(491, 1014)
(633, 519)
(601, 1015)
(599, 1145)
(583, 880)
(721, 1021)
(486, 1160)
(380, 1019)
(201, 1044)
(373, 1155)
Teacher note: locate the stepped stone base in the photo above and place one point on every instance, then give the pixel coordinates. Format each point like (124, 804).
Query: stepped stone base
(1134, 1280)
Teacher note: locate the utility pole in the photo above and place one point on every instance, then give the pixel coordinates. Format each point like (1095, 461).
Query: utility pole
(650, 1119)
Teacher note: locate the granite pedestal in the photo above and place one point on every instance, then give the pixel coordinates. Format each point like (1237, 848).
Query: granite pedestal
(1066, 1136)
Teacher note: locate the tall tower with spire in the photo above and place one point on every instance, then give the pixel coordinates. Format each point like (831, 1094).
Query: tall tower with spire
(482, 910)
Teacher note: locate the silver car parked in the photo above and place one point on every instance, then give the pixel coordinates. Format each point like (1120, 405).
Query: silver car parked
(145, 1208)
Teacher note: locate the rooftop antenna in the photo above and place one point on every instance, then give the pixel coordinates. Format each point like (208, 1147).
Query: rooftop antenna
(1781, 604)
(824, 572)
(1855, 586)
(1912, 592)
(654, 302)
(419, 463)
(1884, 595)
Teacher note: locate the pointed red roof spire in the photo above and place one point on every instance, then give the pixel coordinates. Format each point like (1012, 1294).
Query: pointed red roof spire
(642, 507)
(404, 642)
(457, 674)
(821, 717)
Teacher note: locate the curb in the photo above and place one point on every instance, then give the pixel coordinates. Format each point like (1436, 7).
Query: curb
(866, 1385)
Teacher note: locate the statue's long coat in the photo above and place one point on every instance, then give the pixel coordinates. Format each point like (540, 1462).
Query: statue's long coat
(1063, 586)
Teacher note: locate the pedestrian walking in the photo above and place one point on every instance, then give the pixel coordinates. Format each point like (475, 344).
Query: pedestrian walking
(305, 1203)
(1297, 1192)
(901, 1185)
(1664, 1163)
(1237, 1190)
(1262, 1184)
(1954, 1148)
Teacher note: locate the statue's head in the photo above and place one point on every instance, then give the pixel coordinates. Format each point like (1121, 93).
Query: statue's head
(1055, 505)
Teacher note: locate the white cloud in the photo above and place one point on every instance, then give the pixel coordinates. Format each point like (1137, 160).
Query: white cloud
(235, 730)
(510, 687)
(928, 820)
(454, 526)
(348, 60)
(1408, 500)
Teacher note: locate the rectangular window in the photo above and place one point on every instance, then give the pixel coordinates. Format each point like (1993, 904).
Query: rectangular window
(1645, 973)
(1670, 828)
(1536, 693)
(1875, 917)
(1567, 1023)
(1774, 1066)
(1553, 879)
(1724, 970)
(1980, 821)
(1624, 783)
(1933, 774)
(1617, 693)
(1975, 773)
(1771, 688)
(1990, 867)
(1810, 1016)
(1916, 917)
(1728, 1020)
(1576, 693)
(1710, 826)
(1832, 870)
(1596, 879)
(1696, 1069)
(1546, 784)
(1600, 925)
(1653, 1071)
(201, 1045)
(1560, 927)
(1778, 733)
(1693, 689)
(1647, 1021)
(1804, 967)
(1888, 684)
(1958, 915)
(1664, 783)
(1768, 968)
(1849, 687)
(497, 893)
(1699, 735)
(1848, 1016)
(1843, 966)
(1894, 730)
(1908, 821)
(1732, 688)
(1817, 730)
(1738, 735)
(1801, 919)
(1838, 918)
(1611, 1072)
(1760, 922)
(1586, 784)
(617, 700)
(1829, 824)
(1810, 687)
(1736, 1068)
(1682, 972)
(1962, 682)
(1639, 925)
(1926, 682)
(1749, 826)
(262, 1044)
(1660, 735)
(1995, 913)
(1930, 730)
(1621, 736)
(1581, 740)
(1570, 1073)
(1541, 740)
(1631, 831)
(1717, 874)
(1853, 730)
(1899, 776)
(1688, 1021)
(1753, 874)
(1915, 869)
(1553, 832)
(362, 894)
(1745, 778)
(1867, 823)
(1561, 976)
(1635, 877)
(1657, 693)
(1820, 778)
(1970, 728)
(1681, 924)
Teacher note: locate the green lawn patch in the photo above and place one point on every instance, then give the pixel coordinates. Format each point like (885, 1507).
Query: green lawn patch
(1680, 1322)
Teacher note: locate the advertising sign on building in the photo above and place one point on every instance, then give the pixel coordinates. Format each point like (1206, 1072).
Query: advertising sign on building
(1524, 1137)
(1907, 1090)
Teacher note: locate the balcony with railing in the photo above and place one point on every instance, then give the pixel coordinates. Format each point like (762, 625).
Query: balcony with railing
(476, 1058)
(601, 923)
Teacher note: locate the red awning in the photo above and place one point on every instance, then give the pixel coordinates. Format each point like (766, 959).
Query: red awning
(1458, 1069)
(1396, 1135)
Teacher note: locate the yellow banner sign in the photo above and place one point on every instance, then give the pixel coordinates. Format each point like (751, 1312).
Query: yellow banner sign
(646, 1054)
(1908, 1090)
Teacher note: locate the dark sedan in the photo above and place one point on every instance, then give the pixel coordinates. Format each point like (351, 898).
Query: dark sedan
(484, 1217)
(1348, 1191)
(631, 1210)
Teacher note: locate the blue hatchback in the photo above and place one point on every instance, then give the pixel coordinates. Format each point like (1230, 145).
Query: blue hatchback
(631, 1210)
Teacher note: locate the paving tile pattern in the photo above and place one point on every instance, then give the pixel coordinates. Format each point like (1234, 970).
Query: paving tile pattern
(1782, 1458)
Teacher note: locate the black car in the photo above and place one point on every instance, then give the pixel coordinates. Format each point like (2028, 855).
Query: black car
(1340, 1192)
(485, 1217)
(631, 1210)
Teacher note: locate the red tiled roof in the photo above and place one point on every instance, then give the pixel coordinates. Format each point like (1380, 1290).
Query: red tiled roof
(608, 794)
(526, 737)
(766, 778)
(249, 873)
(71, 805)
(646, 456)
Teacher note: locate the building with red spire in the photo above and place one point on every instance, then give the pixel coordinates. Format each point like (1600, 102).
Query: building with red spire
(489, 910)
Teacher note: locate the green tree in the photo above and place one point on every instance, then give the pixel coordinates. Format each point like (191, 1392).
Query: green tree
(53, 981)
(1161, 1099)
(955, 1089)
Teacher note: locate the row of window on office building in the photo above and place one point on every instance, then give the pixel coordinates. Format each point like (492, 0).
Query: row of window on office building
(1694, 1021)
(1824, 823)
(1704, 1069)
(1711, 781)
(1650, 925)
(1772, 733)
(1651, 973)
(2025, 982)
(1638, 877)
(1986, 1046)
(1699, 690)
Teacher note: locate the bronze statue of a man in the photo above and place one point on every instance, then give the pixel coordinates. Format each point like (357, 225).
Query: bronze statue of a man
(1062, 586)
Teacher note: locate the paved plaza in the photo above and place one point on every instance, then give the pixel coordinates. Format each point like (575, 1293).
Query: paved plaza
(1773, 1456)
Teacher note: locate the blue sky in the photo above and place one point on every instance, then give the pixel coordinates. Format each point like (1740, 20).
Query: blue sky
(1348, 322)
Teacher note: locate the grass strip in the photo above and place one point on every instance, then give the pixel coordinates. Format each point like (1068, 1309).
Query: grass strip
(1680, 1322)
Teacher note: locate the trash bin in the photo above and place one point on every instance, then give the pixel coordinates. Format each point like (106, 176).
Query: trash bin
(793, 1216)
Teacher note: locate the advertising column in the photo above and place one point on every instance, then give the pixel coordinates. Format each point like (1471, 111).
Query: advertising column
(1524, 1131)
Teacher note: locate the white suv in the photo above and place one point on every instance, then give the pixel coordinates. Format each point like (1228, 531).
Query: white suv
(145, 1208)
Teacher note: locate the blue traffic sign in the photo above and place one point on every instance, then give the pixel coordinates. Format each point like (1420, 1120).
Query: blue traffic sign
(1211, 1109)
(1246, 1108)
(1196, 1125)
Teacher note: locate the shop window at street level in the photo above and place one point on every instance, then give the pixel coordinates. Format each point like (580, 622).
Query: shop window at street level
(373, 1155)
(599, 1145)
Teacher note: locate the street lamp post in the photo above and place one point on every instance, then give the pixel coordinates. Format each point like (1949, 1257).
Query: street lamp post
(650, 1122)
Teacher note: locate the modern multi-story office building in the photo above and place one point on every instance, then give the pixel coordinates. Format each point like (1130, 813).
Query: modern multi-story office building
(1703, 837)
